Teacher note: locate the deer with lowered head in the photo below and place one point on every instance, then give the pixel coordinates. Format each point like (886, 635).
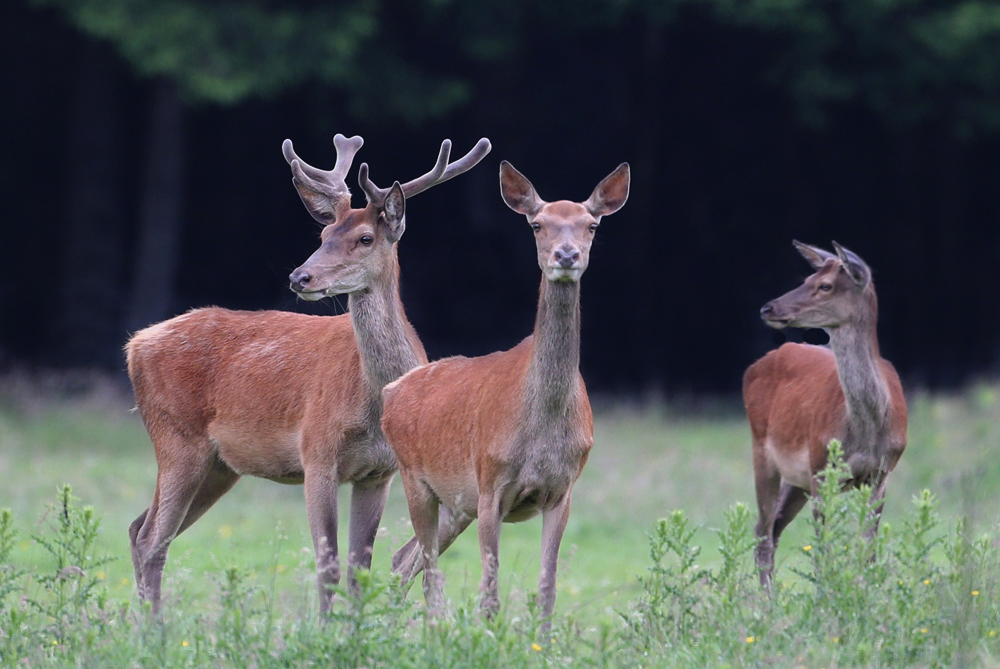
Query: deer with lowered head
(285, 396)
(800, 397)
(505, 436)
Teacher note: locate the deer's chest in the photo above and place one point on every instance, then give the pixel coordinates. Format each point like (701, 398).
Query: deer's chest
(546, 466)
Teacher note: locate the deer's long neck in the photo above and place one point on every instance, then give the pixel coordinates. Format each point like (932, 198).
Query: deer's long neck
(553, 370)
(387, 342)
(866, 392)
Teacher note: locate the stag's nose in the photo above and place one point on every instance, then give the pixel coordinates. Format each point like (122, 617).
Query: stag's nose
(566, 258)
(299, 279)
(767, 310)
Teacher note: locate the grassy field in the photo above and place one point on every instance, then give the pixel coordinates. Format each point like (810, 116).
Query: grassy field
(647, 462)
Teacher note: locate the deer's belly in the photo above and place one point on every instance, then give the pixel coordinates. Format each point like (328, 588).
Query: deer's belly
(792, 463)
(270, 455)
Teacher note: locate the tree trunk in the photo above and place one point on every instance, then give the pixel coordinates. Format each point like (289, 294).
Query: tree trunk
(89, 329)
(160, 214)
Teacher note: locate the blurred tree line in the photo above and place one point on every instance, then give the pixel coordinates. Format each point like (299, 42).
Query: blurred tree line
(143, 172)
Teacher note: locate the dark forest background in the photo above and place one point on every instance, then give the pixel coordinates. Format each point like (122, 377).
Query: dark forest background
(142, 173)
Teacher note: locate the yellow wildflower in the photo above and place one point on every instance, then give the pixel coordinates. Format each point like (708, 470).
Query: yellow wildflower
(184, 643)
(535, 646)
(807, 547)
(927, 581)
(923, 630)
(751, 639)
(975, 593)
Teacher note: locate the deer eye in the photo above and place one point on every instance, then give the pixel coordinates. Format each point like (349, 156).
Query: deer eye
(826, 287)
(536, 226)
(366, 240)
(593, 227)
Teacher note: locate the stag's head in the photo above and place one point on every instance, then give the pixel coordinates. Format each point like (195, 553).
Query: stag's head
(564, 230)
(839, 292)
(358, 246)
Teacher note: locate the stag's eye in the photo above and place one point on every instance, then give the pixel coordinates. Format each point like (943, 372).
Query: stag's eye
(366, 240)
(825, 287)
(536, 226)
(593, 227)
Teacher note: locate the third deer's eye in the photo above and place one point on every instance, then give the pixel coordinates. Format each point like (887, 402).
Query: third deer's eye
(366, 240)
(536, 227)
(825, 287)
(593, 227)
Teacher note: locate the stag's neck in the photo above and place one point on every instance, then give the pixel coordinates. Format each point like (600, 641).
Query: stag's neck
(866, 392)
(554, 367)
(387, 342)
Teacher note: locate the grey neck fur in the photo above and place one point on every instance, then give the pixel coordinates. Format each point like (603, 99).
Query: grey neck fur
(383, 335)
(866, 393)
(551, 385)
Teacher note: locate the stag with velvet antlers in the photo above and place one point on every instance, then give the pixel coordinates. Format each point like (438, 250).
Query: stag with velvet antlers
(503, 437)
(284, 396)
(799, 397)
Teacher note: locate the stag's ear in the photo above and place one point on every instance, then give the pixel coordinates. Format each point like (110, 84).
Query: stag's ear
(394, 212)
(813, 254)
(317, 198)
(518, 192)
(611, 194)
(855, 267)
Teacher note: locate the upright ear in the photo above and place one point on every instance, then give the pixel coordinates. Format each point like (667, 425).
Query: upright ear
(856, 268)
(814, 255)
(394, 211)
(610, 194)
(319, 201)
(518, 192)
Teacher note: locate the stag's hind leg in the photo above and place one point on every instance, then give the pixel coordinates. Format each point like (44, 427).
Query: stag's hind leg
(189, 480)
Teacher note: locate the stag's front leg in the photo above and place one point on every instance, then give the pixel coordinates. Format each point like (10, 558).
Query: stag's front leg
(367, 505)
(489, 551)
(321, 507)
(554, 521)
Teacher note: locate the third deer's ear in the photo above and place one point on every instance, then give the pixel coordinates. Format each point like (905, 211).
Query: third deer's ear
(814, 255)
(611, 194)
(853, 265)
(517, 191)
(394, 211)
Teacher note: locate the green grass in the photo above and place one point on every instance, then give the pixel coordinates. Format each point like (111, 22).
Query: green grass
(647, 462)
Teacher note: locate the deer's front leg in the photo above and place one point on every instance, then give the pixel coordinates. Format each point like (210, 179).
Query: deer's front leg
(489, 551)
(554, 521)
(367, 505)
(321, 507)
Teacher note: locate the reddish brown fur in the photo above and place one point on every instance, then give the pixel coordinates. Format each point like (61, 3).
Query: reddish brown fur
(796, 397)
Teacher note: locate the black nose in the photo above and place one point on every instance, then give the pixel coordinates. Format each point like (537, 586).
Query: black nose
(299, 280)
(566, 258)
(766, 309)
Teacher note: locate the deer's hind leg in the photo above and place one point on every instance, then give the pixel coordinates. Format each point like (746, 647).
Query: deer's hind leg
(185, 468)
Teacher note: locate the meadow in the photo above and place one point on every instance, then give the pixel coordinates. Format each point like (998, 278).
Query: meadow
(656, 564)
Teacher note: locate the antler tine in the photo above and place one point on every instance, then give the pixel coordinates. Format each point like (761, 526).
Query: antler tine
(443, 171)
(346, 150)
(375, 194)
